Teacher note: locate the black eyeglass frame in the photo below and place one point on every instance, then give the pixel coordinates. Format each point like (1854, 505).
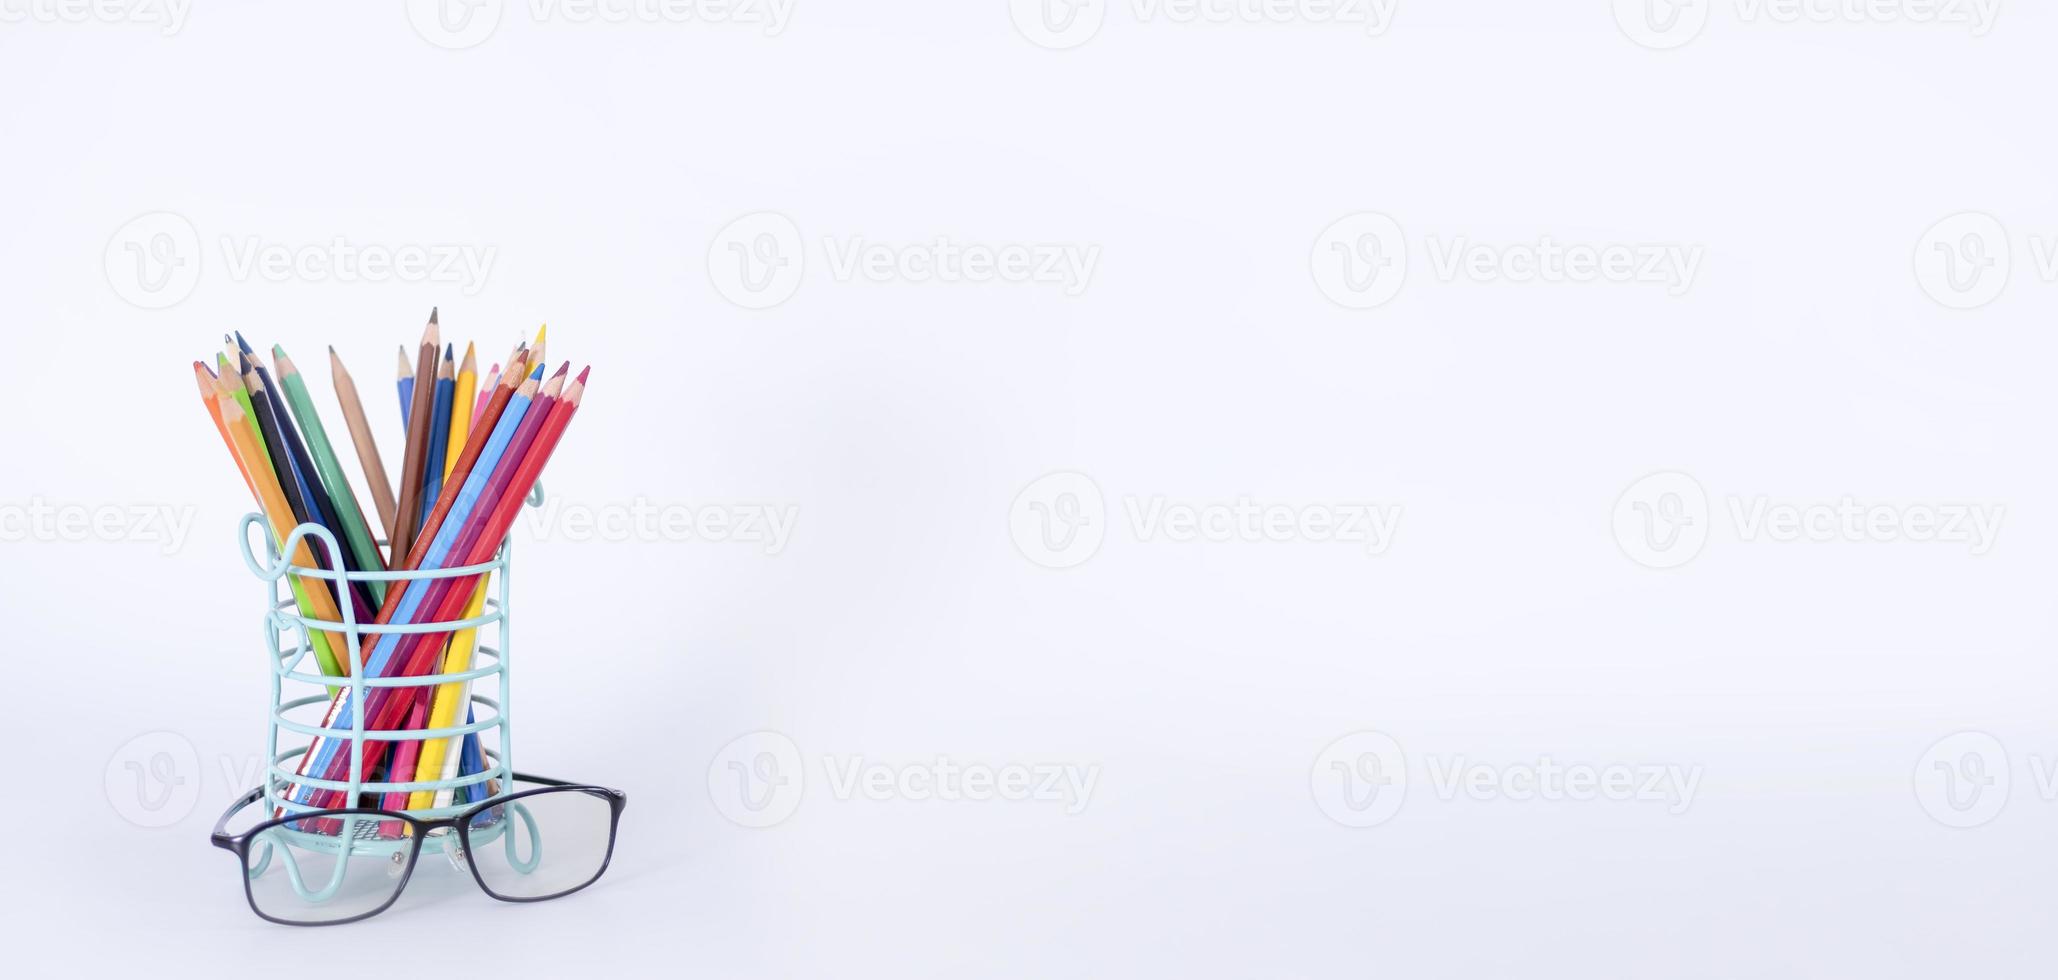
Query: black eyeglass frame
(239, 844)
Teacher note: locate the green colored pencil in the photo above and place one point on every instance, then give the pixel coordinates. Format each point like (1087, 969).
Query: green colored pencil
(357, 535)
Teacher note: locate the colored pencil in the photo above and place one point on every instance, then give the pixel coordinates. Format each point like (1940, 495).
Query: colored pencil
(481, 459)
(477, 446)
(477, 542)
(302, 467)
(318, 507)
(461, 408)
(472, 455)
(231, 378)
(444, 701)
(447, 758)
(404, 381)
(439, 432)
(209, 391)
(440, 758)
(330, 654)
(485, 392)
(274, 445)
(313, 603)
(453, 413)
(361, 436)
(405, 521)
(357, 535)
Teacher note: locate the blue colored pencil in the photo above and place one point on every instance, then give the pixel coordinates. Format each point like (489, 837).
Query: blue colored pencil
(439, 421)
(405, 383)
(320, 509)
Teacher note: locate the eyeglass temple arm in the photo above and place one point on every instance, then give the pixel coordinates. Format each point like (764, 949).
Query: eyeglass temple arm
(221, 837)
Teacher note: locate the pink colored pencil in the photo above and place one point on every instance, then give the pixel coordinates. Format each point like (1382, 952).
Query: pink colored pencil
(485, 394)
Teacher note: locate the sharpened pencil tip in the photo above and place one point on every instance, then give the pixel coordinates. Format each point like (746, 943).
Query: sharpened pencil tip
(566, 369)
(240, 342)
(583, 374)
(537, 375)
(432, 314)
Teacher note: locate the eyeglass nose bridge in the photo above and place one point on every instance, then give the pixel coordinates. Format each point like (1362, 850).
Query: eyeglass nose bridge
(453, 847)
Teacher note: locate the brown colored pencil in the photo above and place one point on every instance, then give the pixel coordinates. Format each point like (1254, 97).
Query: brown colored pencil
(401, 536)
(361, 436)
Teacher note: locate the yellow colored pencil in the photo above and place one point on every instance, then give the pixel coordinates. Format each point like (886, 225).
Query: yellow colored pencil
(448, 708)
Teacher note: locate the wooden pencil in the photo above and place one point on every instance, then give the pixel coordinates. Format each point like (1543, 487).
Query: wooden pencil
(357, 535)
(406, 754)
(319, 507)
(461, 409)
(485, 392)
(231, 380)
(459, 474)
(274, 446)
(313, 603)
(439, 431)
(404, 383)
(361, 436)
(407, 519)
(446, 441)
(210, 391)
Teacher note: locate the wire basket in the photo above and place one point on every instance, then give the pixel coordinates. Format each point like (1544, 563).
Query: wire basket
(482, 716)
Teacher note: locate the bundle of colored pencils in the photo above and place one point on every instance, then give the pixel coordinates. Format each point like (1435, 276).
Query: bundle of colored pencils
(473, 454)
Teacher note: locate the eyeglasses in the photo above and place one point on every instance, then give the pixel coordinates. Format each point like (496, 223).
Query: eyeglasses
(325, 867)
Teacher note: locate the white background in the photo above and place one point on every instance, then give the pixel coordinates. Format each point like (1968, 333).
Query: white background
(1202, 363)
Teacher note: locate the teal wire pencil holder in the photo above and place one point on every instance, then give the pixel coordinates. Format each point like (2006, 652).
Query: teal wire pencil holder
(290, 654)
